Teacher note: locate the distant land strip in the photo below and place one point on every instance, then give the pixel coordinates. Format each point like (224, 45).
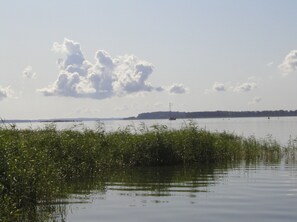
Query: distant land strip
(56, 120)
(214, 114)
(167, 114)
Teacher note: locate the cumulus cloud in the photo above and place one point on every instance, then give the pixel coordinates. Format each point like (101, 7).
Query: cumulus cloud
(177, 88)
(290, 62)
(229, 87)
(109, 76)
(28, 73)
(219, 87)
(5, 92)
(245, 87)
(255, 100)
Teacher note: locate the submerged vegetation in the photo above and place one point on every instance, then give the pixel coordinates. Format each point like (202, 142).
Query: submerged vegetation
(36, 164)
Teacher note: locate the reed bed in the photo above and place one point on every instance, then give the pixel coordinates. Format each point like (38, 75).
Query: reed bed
(34, 164)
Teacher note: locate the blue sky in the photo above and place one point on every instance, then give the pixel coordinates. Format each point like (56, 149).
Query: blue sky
(120, 58)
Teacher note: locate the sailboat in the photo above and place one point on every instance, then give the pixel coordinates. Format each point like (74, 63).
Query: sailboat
(170, 113)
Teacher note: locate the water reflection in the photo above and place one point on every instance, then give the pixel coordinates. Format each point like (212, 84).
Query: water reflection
(151, 184)
(165, 181)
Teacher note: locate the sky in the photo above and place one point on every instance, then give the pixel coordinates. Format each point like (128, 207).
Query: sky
(108, 58)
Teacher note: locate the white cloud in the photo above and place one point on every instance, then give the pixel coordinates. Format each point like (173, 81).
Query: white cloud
(107, 77)
(177, 88)
(255, 100)
(229, 87)
(219, 87)
(28, 73)
(5, 92)
(290, 62)
(245, 87)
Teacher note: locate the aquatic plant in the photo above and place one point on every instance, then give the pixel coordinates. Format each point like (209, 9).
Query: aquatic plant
(34, 164)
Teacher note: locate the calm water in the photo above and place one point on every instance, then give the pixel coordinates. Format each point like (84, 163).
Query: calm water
(243, 192)
(281, 129)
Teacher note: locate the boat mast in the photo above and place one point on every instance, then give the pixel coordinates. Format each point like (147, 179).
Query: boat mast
(170, 113)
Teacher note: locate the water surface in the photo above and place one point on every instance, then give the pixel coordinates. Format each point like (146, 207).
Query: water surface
(240, 192)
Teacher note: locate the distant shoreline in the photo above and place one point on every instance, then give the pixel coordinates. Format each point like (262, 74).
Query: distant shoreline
(213, 114)
(58, 120)
(167, 114)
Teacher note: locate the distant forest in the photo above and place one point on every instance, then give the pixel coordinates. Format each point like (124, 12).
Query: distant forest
(214, 114)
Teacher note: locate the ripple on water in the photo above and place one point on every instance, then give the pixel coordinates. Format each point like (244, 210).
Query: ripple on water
(259, 192)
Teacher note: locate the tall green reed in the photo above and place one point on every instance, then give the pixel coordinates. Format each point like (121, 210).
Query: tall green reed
(34, 164)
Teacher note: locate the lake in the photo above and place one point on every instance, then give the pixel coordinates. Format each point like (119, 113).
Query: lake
(244, 191)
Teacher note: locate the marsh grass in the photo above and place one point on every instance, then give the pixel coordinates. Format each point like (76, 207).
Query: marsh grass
(34, 164)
